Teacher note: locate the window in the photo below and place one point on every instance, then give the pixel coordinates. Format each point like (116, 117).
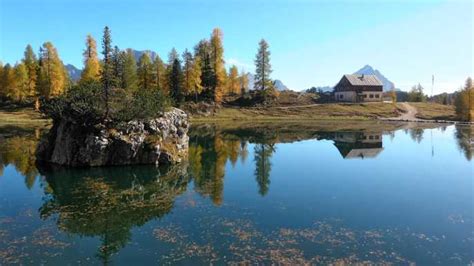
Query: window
(371, 96)
(341, 96)
(376, 96)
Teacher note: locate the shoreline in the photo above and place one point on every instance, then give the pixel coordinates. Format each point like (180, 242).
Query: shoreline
(318, 113)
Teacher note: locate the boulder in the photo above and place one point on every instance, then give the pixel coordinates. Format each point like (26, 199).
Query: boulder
(162, 140)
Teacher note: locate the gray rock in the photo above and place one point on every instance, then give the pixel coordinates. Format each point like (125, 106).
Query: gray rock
(163, 140)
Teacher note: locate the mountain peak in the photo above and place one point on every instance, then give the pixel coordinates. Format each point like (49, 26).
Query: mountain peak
(369, 70)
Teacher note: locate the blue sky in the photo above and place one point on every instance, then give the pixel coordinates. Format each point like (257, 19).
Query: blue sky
(313, 43)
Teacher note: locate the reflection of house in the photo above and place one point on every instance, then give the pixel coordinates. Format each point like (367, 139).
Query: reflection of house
(358, 144)
(359, 88)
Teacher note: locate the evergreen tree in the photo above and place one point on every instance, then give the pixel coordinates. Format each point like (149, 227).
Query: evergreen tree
(52, 77)
(107, 68)
(31, 64)
(217, 63)
(129, 75)
(416, 94)
(91, 69)
(1, 81)
(203, 51)
(175, 82)
(117, 62)
(172, 56)
(187, 72)
(233, 81)
(145, 72)
(207, 78)
(263, 166)
(262, 67)
(160, 74)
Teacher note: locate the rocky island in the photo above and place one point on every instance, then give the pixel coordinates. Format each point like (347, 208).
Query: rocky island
(161, 140)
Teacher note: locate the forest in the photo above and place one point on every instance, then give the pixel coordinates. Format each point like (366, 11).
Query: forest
(117, 79)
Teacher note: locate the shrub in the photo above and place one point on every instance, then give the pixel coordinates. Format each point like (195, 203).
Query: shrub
(84, 104)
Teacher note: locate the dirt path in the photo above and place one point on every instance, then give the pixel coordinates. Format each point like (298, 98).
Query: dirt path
(410, 114)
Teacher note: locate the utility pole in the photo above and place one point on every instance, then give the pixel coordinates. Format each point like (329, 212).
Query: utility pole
(432, 86)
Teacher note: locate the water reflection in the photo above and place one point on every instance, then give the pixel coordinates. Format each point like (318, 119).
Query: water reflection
(358, 144)
(108, 202)
(18, 149)
(465, 140)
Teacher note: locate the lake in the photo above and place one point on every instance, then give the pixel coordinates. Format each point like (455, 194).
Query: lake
(259, 194)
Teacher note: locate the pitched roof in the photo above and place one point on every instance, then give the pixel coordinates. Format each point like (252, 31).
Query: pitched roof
(363, 80)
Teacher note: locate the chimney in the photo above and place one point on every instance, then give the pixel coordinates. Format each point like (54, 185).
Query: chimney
(362, 76)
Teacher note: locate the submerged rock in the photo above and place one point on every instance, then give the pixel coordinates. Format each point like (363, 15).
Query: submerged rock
(162, 140)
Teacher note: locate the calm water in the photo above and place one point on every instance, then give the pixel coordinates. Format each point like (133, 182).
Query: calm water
(258, 195)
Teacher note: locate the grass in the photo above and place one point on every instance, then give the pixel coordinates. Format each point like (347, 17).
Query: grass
(434, 111)
(333, 111)
(26, 117)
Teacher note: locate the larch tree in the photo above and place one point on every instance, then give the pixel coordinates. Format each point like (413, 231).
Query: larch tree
(217, 63)
(464, 102)
(196, 83)
(20, 80)
(7, 81)
(145, 72)
(129, 75)
(263, 67)
(244, 82)
(107, 68)
(159, 74)
(31, 64)
(91, 69)
(53, 77)
(233, 82)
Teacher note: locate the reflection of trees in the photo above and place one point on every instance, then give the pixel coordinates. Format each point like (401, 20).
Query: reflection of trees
(208, 155)
(263, 166)
(20, 152)
(108, 202)
(416, 134)
(464, 136)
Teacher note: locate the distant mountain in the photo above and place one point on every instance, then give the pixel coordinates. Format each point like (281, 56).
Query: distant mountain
(279, 85)
(74, 72)
(325, 88)
(368, 70)
(137, 54)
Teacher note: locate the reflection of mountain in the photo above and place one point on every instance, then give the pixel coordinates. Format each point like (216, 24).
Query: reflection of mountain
(358, 144)
(108, 202)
